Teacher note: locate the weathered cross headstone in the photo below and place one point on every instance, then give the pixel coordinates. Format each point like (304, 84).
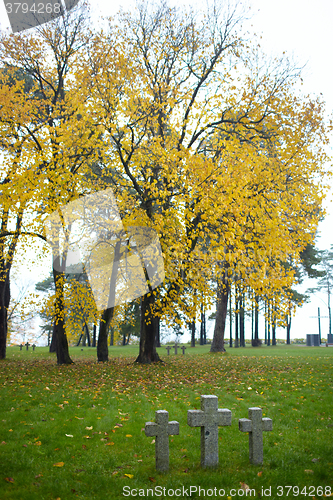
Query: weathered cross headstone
(175, 348)
(21, 347)
(209, 418)
(183, 349)
(162, 429)
(27, 346)
(255, 425)
(168, 347)
(33, 346)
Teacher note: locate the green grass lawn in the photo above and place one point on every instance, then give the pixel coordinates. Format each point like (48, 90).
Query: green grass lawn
(77, 431)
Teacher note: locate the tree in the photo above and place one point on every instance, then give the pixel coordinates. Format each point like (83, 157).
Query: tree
(58, 137)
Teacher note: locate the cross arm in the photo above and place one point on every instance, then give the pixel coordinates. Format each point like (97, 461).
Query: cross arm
(224, 416)
(195, 418)
(245, 425)
(173, 428)
(150, 429)
(267, 424)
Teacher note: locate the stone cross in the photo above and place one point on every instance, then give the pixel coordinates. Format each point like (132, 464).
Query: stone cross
(162, 429)
(21, 347)
(209, 418)
(175, 348)
(168, 349)
(183, 349)
(255, 425)
(27, 346)
(33, 347)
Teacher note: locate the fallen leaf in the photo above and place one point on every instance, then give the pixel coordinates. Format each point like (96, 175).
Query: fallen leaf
(59, 464)
(38, 475)
(186, 470)
(47, 388)
(153, 441)
(315, 460)
(129, 475)
(308, 471)
(69, 435)
(9, 479)
(38, 443)
(79, 418)
(259, 474)
(244, 486)
(56, 449)
(128, 435)
(3, 442)
(114, 473)
(25, 445)
(152, 479)
(89, 428)
(110, 443)
(87, 437)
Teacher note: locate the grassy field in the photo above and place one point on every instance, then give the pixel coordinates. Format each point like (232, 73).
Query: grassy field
(77, 431)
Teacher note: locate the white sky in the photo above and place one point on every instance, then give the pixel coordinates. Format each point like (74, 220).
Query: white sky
(302, 28)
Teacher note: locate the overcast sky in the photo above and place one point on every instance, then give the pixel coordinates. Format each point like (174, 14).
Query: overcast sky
(301, 28)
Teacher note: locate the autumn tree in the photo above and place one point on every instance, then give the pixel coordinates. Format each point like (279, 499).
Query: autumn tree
(59, 138)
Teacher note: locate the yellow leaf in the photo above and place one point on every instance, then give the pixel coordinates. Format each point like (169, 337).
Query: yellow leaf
(129, 475)
(59, 464)
(128, 435)
(38, 443)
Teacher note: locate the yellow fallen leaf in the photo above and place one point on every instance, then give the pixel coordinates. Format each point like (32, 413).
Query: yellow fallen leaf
(129, 475)
(89, 428)
(38, 443)
(308, 471)
(9, 479)
(79, 418)
(259, 474)
(244, 486)
(59, 464)
(128, 435)
(109, 444)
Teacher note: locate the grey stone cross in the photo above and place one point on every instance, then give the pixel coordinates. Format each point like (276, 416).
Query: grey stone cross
(162, 429)
(183, 349)
(209, 418)
(168, 349)
(255, 425)
(175, 348)
(27, 346)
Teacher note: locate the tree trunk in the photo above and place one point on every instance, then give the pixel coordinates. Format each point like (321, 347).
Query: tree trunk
(192, 329)
(242, 322)
(111, 336)
(147, 352)
(288, 328)
(221, 314)
(94, 337)
(102, 342)
(230, 319)
(4, 304)
(63, 357)
(236, 323)
(158, 332)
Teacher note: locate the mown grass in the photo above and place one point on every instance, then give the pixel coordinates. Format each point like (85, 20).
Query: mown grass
(105, 407)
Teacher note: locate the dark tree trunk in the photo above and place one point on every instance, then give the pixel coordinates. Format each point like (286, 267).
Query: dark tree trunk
(256, 342)
(268, 324)
(288, 328)
(221, 314)
(158, 331)
(192, 330)
(265, 322)
(77, 345)
(63, 357)
(236, 323)
(242, 322)
(274, 327)
(202, 325)
(111, 335)
(147, 352)
(94, 337)
(102, 342)
(230, 319)
(4, 304)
